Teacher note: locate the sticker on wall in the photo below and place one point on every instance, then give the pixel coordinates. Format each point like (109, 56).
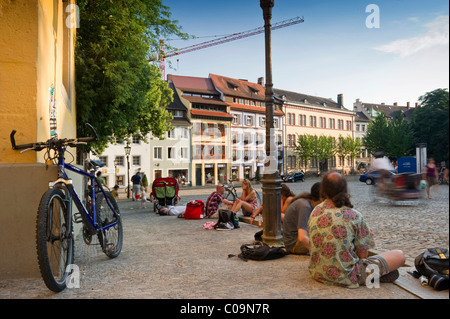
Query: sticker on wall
(52, 111)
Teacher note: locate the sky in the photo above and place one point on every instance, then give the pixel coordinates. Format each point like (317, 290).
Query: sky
(376, 51)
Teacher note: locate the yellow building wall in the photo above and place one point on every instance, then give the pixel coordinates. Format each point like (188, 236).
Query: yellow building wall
(36, 52)
(31, 62)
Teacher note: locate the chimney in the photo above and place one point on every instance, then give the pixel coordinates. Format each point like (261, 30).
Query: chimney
(261, 81)
(382, 103)
(340, 100)
(407, 105)
(395, 103)
(417, 104)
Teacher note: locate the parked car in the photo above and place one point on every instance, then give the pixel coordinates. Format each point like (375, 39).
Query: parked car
(297, 176)
(370, 177)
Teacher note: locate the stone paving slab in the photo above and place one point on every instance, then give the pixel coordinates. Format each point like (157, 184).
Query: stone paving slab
(165, 257)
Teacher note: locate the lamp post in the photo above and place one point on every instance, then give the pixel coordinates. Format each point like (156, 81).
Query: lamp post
(271, 181)
(127, 153)
(115, 171)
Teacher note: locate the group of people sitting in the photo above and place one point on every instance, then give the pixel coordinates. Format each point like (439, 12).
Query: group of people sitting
(323, 224)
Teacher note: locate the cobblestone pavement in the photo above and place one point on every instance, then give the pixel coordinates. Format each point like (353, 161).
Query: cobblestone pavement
(169, 257)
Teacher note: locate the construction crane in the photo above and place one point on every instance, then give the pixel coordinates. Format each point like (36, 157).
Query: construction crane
(235, 36)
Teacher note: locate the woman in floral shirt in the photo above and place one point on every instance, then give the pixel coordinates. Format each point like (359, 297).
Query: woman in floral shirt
(340, 240)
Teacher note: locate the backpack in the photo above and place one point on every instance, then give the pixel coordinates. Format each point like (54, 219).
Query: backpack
(433, 263)
(260, 251)
(227, 220)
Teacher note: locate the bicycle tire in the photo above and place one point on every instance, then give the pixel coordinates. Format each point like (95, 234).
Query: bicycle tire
(229, 196)
(110, 239)
(258, 198)
(55, 250)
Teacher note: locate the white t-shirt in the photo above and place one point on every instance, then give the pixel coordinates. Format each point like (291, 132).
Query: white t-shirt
(176, 210)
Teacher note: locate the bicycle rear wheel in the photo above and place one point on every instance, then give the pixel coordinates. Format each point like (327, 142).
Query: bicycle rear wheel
(110, 238)
(54, 243)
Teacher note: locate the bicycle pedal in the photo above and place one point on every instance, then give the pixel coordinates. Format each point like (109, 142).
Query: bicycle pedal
(77, 218)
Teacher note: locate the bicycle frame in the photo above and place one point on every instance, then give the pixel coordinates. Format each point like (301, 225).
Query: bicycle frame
(90, 222)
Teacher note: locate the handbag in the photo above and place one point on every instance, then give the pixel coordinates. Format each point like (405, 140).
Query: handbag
(195, 210)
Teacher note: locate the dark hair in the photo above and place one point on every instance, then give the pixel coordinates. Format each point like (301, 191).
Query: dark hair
(314, 195)
(334, 187)
(286, 191)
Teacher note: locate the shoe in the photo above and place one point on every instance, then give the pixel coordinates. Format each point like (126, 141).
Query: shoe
(390, 277)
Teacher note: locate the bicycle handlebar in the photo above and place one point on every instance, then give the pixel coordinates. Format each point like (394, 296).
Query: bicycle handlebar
(41, 145)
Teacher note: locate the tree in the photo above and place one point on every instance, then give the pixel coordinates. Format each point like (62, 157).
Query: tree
(430, 123)
(350, 147)
(401, 138)
(305, 147)
(377, 135)
(324, 150)
(118, 91)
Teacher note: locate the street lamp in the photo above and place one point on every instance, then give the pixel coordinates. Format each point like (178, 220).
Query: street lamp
(115, 171)
(127, 153)
(271, 181)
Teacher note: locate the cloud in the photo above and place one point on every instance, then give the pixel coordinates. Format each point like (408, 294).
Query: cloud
(438, 34)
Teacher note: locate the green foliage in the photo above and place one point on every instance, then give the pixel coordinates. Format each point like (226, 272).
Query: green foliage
(349, 146)
(401, 138)
(324, 147)
(118, 91)
(377, 135)
(430, 123)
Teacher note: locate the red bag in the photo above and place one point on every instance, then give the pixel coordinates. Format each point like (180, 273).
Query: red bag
(195, 210)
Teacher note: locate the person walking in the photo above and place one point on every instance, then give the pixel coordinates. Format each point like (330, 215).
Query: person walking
(430, 175)
(136, 179)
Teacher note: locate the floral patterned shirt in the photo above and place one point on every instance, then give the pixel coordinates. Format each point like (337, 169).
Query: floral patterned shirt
(336, 236)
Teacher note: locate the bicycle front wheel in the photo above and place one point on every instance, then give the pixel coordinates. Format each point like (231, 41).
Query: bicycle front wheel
(110, 237)
(54, 240)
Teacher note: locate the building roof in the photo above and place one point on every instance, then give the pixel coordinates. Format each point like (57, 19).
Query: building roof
(253, 109)
(389, 110)
(176, 104)
(211, 114)
(306, 99)
(202, 100)
(239, 88)
(360, 116)
(193, 84)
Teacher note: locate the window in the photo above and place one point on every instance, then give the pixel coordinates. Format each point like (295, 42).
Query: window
(248, 120)
(120, 161)
(349, 125)
(302, 120)
(185, 133)
(136, 160)
(312, 121)
(323, 122)
(171, 134)
(357, 127)
(184, 153)
(262, 121)
(332, 123)
(171, 152)
(157, 153)
(236, 119)
(177, 113)
(104, 159)
(136, 139)
(275, 123)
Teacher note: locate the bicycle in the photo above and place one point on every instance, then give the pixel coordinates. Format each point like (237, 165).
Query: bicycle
(231, 193)
(54, 223)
